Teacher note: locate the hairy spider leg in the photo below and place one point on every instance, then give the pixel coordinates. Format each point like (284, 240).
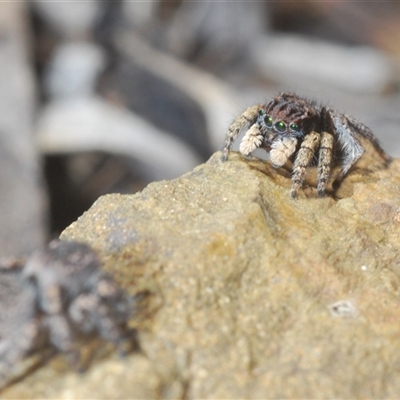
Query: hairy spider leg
(281, 150)
(303, 160)
(61, 335)
(95, 312)
(252, 140)
(324, 162)
(351, 147)
(248, 118)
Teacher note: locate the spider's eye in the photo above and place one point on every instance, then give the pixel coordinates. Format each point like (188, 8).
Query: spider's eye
(280, 126)
(294, 127)
(261, 113)
(268, 121)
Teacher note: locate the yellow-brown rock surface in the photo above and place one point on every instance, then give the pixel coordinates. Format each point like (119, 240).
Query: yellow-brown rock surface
(250, 294)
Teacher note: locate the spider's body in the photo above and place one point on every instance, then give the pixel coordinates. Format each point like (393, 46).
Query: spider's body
(292, 128)
(58, 293)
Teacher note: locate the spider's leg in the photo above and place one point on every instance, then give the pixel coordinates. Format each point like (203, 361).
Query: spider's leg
(303, 159)
(62, 338)
(324, 161)
(351, 148)
(248, 118)
(251, 140)
(281, 150)
(114, 311)
(105, 310)
(110, 330)
(60, 331)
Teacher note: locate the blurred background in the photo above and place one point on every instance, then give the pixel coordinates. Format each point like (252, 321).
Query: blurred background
(106, 96)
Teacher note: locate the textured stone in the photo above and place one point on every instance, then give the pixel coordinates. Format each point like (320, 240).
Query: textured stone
(250, 294)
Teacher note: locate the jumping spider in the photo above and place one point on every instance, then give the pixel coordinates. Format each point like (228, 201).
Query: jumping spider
(292, 128)
(58, 293)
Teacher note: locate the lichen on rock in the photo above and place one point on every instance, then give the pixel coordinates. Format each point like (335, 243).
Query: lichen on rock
(250, 294)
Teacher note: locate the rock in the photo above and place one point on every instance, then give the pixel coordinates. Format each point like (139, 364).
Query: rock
(250, 294)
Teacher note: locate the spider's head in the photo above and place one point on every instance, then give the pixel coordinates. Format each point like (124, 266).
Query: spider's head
(287, 116)
(276, 124)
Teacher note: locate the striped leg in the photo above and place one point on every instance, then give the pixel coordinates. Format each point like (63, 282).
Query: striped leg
(248, 118)
(303, 160)
(324, 162)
